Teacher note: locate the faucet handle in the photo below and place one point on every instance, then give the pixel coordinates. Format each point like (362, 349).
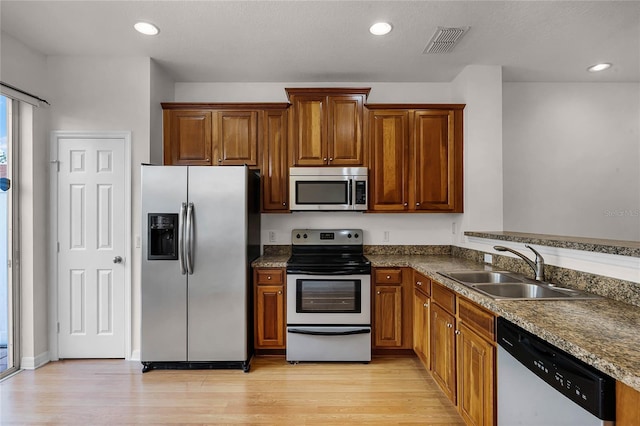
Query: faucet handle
(538, 255)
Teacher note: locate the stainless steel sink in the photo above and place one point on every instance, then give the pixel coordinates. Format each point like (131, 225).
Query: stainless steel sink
(519, 291)
(472, 277)
(501, 285)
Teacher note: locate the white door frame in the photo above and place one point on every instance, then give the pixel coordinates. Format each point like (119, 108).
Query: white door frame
(53, 236)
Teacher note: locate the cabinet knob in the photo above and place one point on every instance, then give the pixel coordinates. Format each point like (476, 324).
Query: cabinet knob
(419, 282)
(268, 277)
(279, 291)
(449, 325)
(417, 204)
(406, 204)
(426, 305)
(324, 159)
(330, 158)
(388, 277)
(207, 159)
(457, 331)
(284, 204)
(377, 292)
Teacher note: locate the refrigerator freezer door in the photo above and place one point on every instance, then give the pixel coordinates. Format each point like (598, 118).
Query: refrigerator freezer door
(164, 288)
(218, 287)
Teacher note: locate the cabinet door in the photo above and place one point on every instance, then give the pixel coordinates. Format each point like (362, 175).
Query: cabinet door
(275, 169)
(389, 160)
(476, 385)
(434, 152)
(345, 144)
(388, 316)
(309, 131)
(187, 137)
(443, 350)
(235, 135)
(421, 326)
(270, 326)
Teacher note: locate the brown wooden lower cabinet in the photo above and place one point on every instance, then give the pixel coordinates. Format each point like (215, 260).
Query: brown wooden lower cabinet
(461, 343)
(269, 311)
(476, 372)
(421, 326)
(627, 405)
(392, 306)
(443, 350)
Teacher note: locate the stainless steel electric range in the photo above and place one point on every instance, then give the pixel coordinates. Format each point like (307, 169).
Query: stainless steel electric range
(328, 296)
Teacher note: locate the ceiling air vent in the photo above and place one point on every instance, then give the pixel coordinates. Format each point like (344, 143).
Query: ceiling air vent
(445, 39)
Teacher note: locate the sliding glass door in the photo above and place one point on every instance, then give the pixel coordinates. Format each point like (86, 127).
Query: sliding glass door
(8, 290)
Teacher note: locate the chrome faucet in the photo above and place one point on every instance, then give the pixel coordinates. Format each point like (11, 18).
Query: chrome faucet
(537, 266)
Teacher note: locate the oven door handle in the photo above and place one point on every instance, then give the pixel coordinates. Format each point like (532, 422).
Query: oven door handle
(329, 333)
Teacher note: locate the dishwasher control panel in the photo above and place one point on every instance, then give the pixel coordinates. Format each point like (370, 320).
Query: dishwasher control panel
(578, 381)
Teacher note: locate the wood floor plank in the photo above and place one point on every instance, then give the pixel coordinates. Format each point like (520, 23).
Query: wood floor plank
(393, 390)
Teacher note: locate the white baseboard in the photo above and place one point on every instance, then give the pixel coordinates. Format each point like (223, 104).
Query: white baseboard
(135, 355)
(31, 363)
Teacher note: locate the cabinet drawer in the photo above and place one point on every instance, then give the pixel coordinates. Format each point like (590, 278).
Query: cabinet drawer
(443, 297)
(422, 283)
(478, 319)
(269, 276)
(388, 276)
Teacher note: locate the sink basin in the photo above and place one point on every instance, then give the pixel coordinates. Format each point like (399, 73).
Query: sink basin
(519, 291)
(500, 285)
(474, 277)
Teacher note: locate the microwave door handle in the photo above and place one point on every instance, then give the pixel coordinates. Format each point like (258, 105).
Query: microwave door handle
(351, 192)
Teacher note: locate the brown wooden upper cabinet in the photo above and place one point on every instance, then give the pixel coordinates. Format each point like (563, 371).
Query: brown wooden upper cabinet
(275, 165)
(415, 158)
(204, 134)
(327, 126)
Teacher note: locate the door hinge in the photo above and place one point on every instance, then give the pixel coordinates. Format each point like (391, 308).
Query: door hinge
(58, 246)
(57, 163)
(58, 328)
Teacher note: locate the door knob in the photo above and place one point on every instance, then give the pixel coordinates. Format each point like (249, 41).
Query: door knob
(117, 259)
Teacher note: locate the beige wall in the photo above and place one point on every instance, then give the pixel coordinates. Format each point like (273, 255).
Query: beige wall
(25, 68)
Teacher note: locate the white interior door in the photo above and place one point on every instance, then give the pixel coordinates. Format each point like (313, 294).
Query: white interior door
(91, 247)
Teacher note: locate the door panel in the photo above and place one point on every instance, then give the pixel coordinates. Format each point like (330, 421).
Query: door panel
(164, 288)
(217, 303)
(389, 162)
(90, 285)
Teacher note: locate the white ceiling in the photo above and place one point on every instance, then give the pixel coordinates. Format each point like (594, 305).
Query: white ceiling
(328, 41)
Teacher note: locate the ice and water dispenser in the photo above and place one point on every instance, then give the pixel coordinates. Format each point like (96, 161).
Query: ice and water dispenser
(163, 236)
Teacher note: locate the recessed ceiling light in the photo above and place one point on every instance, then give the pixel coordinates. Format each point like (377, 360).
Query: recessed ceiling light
(146, 28)
(380, 28)
(599, 67)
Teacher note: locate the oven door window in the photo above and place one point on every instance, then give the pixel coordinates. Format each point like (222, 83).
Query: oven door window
(328, 296)
(322, 192)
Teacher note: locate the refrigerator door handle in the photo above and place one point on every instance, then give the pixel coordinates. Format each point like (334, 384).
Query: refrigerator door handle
(190, 239)
(181, 218)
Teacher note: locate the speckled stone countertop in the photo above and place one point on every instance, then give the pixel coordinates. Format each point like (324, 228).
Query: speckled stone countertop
(597, 245)
(603, 333)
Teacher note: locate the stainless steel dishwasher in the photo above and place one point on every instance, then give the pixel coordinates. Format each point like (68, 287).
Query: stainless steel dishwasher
(541, 385)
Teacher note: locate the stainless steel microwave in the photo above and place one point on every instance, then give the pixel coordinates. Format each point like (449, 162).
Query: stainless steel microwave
(328, 188)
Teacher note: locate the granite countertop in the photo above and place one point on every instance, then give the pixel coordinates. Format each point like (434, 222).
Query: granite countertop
(601, 332)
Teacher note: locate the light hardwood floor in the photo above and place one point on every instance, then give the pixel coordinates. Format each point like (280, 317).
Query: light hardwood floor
(386, 391)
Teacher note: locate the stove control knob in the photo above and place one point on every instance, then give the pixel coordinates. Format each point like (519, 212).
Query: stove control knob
(305, 235)
(297, 235)
(348, 235)
(356, 235)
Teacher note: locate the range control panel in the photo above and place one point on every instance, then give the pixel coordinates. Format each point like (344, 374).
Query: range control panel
(326, 237)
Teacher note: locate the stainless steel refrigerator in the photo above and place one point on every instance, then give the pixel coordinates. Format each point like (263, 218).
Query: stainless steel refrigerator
(201, 230)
